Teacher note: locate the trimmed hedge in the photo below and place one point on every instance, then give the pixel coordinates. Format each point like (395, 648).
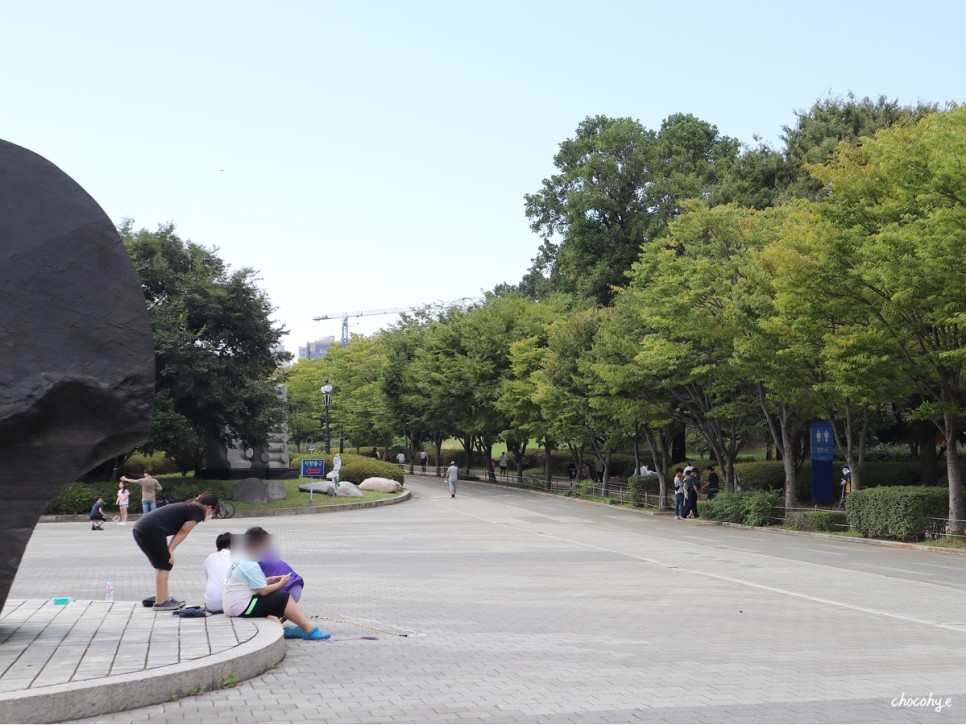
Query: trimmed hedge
(78, 498)
(355, 468)
(643, 487)
(751, 508)
(904, 513)
(820, 520)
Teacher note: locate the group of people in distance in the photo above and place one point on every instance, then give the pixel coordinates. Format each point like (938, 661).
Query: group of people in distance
(688, 487)
(245, 576)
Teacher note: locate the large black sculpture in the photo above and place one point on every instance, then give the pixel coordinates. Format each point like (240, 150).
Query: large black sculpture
(76, 352)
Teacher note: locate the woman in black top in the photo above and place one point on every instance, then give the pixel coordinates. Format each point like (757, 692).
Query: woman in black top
(151, 534)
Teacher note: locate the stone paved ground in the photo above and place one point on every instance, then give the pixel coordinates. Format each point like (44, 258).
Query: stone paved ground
(531, 608)
(44, 644)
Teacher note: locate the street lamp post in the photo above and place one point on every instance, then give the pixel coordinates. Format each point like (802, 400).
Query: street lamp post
(326, 400)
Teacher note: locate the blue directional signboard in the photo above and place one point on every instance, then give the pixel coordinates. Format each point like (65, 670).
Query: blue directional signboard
(822, 448)
(313, 467)
(823, 441)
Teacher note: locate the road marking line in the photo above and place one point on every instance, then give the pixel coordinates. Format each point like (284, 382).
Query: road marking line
(752, 585)
(815, 551)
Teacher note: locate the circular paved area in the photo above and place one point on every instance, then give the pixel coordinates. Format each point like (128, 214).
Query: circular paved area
(524, 607)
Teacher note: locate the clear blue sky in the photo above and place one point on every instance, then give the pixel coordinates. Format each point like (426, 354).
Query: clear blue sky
(376, 154)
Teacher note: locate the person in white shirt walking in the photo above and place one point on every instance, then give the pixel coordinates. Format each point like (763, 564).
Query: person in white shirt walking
(504, 462)
(452, 476)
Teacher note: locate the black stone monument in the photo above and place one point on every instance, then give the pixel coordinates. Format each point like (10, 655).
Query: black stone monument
(76, 351)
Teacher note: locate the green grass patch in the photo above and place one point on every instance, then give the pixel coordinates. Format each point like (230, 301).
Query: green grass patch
(947, 542)
(299, 499)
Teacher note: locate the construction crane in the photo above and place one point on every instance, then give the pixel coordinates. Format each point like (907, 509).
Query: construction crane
(344, 316)
(360, 313)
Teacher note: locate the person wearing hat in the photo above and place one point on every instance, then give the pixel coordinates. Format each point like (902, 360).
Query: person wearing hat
(452, 476)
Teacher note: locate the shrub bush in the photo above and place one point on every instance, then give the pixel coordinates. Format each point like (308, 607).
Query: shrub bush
(904, 513)
(357, 468)
(888, 452)
(819, 520)
(643, 488)
(761, 476)
(78, 498)
(137, 463)
(751, 508)
(830, 520)
(726, 506)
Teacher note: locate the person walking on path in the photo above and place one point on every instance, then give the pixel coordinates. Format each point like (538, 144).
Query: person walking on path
(151, 534)
(149, 490)
(423, 460)
(122, 502)
(452, 476)
(572, 472)
(598, 470)
(679, 493)
(692, 485)
(504, 462)
(714, 483)
(97, 515)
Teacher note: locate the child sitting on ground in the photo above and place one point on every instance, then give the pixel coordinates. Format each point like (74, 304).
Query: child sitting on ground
(248, 593)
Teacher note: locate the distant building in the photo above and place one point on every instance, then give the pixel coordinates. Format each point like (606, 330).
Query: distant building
(317, 349)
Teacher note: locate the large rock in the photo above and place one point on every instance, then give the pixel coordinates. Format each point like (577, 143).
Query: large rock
(255, 490)
(323, 487)
(76, 349)
(275, 491)
(349, 490)
(383, 485)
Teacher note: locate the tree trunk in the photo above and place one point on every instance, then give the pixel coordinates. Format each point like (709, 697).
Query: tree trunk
(926, 434)
(658, 445)
(467, 451)
(637, 449)
(956, 525)
(605, 483)
(548, 461)
(438, 443)
(679, 444)
(488, 457)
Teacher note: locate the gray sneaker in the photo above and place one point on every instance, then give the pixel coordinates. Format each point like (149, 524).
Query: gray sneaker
(168, 606)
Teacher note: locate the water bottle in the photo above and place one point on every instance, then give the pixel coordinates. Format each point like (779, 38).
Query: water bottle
(109, 592)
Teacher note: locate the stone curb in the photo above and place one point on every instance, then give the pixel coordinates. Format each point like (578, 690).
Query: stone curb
(323, 509)
(118, 693)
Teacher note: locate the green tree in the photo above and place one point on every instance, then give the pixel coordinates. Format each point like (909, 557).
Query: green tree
(216, 347)
(818, 131)
(897, 208)
(683, 293)
(617, 187)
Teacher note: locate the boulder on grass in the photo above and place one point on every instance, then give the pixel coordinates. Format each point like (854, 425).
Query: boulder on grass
(324, 487)
(349, 490)
(250, 490)
(383, 485)
(276, 491)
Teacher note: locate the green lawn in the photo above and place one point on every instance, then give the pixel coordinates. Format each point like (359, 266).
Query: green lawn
(297, 499)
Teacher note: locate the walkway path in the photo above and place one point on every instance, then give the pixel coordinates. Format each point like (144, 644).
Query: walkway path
(526, 607)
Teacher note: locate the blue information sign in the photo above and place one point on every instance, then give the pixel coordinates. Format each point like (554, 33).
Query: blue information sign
(822, 441)
(313, 467)
(822, 449)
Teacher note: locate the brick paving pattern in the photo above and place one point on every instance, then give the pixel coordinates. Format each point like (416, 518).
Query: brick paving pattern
(530, 608)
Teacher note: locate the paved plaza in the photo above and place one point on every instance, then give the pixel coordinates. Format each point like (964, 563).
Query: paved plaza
(526, 607)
